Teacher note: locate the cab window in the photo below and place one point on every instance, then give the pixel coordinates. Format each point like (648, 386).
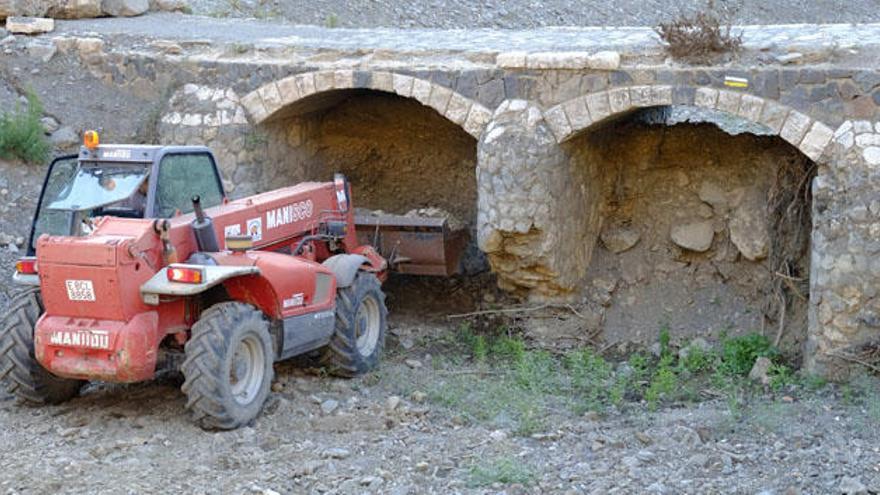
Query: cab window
(182, 176)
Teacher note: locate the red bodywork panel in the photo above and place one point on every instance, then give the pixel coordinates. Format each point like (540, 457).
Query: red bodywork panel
(96, 325)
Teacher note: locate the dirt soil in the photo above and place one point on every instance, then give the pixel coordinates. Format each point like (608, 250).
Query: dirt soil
(400, 155)
(659, 179)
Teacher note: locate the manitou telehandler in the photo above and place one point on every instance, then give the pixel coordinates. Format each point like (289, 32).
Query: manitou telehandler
(137, 262)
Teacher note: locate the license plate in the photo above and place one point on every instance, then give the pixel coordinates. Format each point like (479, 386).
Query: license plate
(80, 290)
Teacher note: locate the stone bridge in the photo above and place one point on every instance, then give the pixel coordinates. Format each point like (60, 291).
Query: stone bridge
(492, 126)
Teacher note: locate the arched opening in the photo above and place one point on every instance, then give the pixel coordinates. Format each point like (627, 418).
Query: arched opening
(699, 225)
(401, 157)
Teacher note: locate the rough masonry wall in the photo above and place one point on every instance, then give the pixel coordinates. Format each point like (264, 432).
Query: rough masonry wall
(526, 202)
(844, 304)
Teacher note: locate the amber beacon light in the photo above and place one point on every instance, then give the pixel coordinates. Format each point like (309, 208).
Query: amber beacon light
(91, 139)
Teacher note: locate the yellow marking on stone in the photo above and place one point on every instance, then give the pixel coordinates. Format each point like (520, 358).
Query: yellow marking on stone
(736, 82)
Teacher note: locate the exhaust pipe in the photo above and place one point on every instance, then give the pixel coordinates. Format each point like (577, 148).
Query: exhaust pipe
(203, 228)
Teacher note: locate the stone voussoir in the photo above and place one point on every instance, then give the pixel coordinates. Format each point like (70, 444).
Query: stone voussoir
(272, 101)
(795, 127)
(477, 120)
(816, 140)
(558, 122)
(253, 104)
(577, 113)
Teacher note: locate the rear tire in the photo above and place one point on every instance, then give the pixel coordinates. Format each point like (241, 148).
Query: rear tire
(228, 367)
(359, 339)
(20, 373)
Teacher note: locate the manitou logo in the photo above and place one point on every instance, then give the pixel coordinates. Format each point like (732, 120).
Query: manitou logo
(289, 214)
(89, 339)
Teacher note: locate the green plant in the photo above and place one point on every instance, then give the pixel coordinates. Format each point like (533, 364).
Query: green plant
(780, 376)
(480, 349)
(813, 382)
(22, 134)
(738, 354)
(530, 418)
(505, 470)
(663, 383)
(509, 348)
(590, 378)
(697, 360)
(332, 20)
(535, 371)
(664, 341)
(640, 365)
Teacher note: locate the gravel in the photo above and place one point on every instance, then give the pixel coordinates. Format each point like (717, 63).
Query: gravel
(514, 14)
(138, 437)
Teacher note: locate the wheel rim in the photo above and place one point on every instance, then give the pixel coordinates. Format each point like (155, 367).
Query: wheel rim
(367, 325)
(247, 370)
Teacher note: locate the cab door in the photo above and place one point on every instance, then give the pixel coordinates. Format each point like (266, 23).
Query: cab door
(54, 222)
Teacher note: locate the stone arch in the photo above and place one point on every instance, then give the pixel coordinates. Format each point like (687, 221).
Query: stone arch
(268, 100)
(810, 136)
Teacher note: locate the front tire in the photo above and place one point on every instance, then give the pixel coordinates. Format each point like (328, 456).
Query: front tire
(228, 367)
(20, 373)
(359, 339)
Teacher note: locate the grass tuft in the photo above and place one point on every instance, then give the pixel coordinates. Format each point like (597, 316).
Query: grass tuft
(22, 134)
(504, 470)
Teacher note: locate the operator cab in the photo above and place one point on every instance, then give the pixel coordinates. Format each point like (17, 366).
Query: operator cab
(132, 181)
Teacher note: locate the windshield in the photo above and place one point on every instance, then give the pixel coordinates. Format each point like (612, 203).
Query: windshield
(93, 186)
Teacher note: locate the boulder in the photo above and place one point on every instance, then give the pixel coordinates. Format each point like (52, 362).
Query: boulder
(125, 8)
(760, 371)
(64, 138)
(29, 25)
(76, 9)
(23, 8)
(50, 124)
(695, 236)
(619, 239)
(748, 229)
(714, 195)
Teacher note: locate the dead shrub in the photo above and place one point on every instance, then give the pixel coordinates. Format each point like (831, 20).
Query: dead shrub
(699, 38)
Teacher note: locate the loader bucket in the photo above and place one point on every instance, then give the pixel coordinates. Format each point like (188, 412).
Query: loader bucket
(414, 245)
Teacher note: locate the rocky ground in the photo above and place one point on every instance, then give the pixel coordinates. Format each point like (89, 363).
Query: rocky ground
(513, 14)
(430, 422)
(19, 186)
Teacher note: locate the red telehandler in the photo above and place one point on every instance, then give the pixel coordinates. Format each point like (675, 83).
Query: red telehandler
(137, 261)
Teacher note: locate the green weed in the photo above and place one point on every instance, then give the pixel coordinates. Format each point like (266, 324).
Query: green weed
(504, 470)
(738, 354)
(22, 134)
(663, 383)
